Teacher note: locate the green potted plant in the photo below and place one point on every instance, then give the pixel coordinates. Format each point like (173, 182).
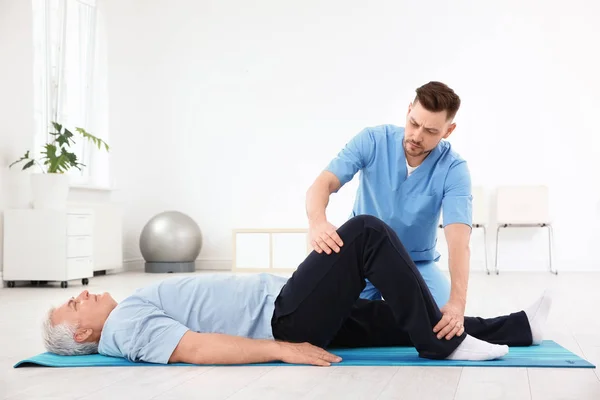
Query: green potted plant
(50, 187)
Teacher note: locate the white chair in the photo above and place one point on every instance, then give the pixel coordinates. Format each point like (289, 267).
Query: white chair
(479, 217)
(523, 206)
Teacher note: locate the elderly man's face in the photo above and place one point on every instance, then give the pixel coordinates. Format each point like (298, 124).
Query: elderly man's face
(88, 312)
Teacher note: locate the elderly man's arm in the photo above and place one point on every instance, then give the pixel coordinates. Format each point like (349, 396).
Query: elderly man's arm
(213, 348)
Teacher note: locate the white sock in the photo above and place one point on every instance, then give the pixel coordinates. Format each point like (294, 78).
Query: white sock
(473, 349)
(537, 313)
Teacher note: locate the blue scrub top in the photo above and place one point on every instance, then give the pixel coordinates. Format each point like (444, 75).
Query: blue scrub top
(410, 205)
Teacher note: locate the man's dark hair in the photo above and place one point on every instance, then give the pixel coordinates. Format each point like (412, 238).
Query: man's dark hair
(437, 97)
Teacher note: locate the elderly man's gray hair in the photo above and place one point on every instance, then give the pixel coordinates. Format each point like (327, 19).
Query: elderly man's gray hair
(60, 339)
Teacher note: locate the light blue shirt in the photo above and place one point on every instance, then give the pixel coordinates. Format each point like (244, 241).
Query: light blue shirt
(148, 325)
(410, 205)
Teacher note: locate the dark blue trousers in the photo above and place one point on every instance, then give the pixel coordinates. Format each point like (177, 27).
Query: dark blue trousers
(321, 303)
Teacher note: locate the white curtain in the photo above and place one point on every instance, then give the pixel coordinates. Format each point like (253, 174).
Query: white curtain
(65, 59)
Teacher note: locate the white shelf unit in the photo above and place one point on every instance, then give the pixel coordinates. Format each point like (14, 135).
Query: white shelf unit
(274, 250)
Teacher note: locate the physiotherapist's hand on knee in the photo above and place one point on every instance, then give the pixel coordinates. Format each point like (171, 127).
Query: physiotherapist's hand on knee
(324, 237)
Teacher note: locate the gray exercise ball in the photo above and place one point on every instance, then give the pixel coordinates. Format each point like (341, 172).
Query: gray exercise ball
(170, 242)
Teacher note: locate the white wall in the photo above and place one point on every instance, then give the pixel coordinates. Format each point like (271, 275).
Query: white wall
(258, 97)
(16, 110)
(16, 96)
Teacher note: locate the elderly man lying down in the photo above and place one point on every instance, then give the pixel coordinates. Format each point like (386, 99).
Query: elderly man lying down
(229, 319)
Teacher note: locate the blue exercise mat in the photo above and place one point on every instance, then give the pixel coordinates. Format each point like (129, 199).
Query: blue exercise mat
(548, 354)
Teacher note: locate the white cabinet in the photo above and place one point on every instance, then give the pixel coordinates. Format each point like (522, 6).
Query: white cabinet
(48, 245)
(107, 235)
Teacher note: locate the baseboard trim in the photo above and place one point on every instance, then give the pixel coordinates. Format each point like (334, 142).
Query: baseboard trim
(137, 264)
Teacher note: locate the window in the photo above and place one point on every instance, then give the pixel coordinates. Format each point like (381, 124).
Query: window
(70, 80)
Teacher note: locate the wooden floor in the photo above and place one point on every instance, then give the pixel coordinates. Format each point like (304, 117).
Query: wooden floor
(573, 323)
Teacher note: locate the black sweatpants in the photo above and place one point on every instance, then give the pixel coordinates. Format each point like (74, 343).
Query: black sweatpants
(321, 303)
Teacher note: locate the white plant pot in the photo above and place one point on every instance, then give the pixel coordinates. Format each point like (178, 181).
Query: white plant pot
(50, 191)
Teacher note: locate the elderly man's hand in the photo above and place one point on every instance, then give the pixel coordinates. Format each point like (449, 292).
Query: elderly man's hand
(452, 322)
(306, 353)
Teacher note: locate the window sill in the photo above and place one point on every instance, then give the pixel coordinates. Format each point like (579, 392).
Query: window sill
(92, 187)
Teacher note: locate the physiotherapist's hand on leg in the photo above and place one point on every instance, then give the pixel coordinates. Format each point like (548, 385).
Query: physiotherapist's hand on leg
(324, 237)
(452, 322)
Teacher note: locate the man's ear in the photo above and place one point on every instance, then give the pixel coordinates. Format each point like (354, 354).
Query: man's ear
(450, 130)
(83, 334)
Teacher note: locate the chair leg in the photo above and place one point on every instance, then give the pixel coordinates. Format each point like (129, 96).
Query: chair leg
(496, 256)
(550, 237)
(487, 270)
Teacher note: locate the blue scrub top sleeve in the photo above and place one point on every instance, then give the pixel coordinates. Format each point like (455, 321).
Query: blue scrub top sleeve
(457, 203)
(356, 155)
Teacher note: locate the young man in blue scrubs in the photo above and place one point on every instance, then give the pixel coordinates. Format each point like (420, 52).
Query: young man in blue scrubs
(409, 175)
